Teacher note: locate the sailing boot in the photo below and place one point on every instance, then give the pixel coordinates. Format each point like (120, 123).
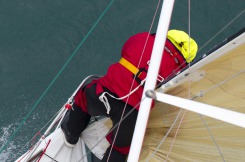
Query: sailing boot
(73, 124)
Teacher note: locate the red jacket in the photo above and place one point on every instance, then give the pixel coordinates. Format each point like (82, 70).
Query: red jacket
(119, 79)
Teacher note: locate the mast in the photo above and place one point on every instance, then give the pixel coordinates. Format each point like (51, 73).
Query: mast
(151, 79)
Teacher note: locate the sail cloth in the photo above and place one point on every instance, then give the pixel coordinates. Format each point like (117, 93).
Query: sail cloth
(218, 81)
(53, 148)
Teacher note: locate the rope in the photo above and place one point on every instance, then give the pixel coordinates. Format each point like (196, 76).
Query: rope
(165, 136)
(212, 137)
(227, 25)
(124, 117)
(175, 135)
(184, 112)
(66, 65)
(205, 124)
(114, 127)
(173, 124)
(115, 136)
(220, 83)
(189, 86)
(57, 75)
(201, 116)
(201, 93)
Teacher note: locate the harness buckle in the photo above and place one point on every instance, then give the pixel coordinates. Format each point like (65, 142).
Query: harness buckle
(137, 75)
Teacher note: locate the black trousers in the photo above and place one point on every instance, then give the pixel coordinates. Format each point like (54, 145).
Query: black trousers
(125, 133)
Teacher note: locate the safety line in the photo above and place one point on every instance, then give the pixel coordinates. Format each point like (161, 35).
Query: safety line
(221, 30)
(212, 87)
(175, 135)
(205, 124)
(212, 137)
(131, 87)
(165, 136)
(201, 93)
(189, 82)
(57, 75)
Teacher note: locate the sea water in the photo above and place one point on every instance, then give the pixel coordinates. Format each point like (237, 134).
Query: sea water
(48, 47)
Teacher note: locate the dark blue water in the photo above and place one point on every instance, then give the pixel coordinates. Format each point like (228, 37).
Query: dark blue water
(37, 38)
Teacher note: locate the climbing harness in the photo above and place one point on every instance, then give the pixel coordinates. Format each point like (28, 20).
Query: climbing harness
(104, 99)
(138, 74)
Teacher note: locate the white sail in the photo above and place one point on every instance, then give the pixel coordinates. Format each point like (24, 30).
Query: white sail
(53, 148)
(176, 135)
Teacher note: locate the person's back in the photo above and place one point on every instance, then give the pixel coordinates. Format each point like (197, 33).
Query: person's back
(137, 52)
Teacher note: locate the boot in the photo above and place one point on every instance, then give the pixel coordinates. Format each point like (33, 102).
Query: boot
(73, 124)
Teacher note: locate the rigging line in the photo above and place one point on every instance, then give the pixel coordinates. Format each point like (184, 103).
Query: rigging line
(57, 75)
(237, 74)
(51, 158)
(219, 84)
(227, 25)
(124, 117)
(189, 79)
(212, 137)
(165, 136)
(189, 31)
(171, 146)
(201, 116)
(183, 116)
(143, 51)
(114, 127)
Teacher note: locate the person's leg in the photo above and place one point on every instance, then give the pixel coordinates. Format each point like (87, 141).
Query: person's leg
(126, 130)
(94, 158)
(73, 124)
(124, 135)
(76, 120)
(112, 155)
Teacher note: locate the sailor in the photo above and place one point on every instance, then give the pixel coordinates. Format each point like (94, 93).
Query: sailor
(120, 90)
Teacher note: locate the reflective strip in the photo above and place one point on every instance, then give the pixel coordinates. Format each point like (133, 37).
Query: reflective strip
(129, 66)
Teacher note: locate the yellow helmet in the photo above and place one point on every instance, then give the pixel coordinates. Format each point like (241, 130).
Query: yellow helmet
(181, 40)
